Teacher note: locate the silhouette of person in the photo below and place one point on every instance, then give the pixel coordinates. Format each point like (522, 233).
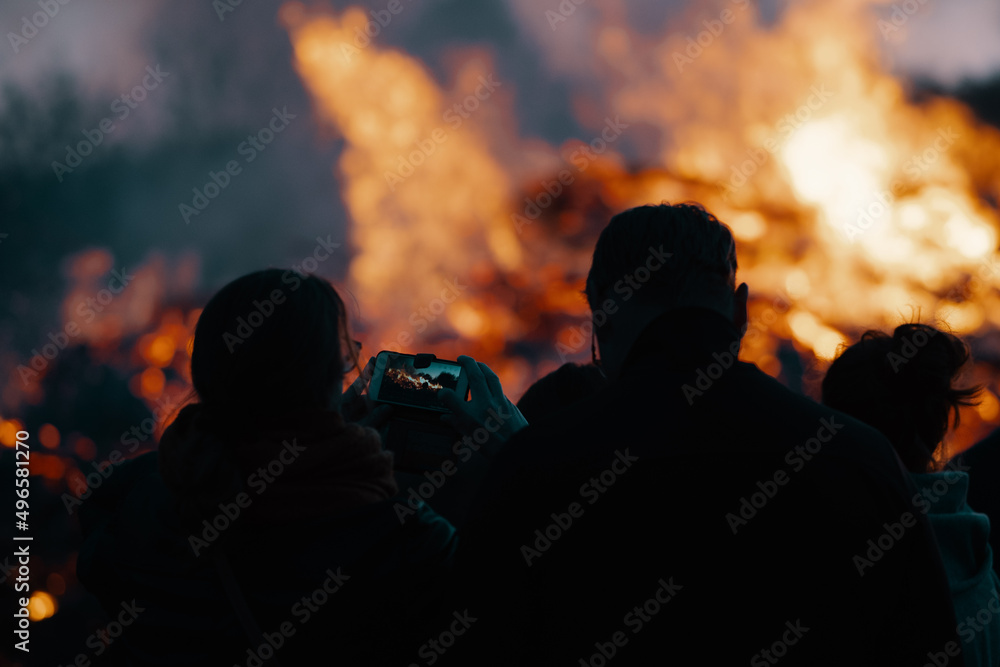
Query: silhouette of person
(904, 384)
(982, 462)
(560, 390)
(695, 509)
(264, 529)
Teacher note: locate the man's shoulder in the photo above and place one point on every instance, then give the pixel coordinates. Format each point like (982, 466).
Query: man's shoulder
(562, 434)
(752, 420)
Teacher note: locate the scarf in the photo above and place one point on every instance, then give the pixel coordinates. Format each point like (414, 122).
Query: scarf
(292, 465)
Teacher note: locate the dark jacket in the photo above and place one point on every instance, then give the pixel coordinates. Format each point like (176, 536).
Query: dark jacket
(982, 462)
(698, 509)
(348, 587)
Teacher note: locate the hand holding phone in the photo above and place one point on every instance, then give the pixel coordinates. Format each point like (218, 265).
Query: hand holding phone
(488, 410)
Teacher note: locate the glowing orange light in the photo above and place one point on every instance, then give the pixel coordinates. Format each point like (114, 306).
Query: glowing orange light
(989, 408)
(85, 448)
(41, 605)
(48, 435)
(49, 466)
(152, 382)
(8, 431)
(159, 350)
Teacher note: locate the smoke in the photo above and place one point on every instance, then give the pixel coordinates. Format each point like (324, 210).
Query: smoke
(63, 74)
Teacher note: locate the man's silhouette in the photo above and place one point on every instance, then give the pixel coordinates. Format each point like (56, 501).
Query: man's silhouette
(696, 510)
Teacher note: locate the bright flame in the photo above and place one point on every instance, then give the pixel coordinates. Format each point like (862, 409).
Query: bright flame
(412, 162)
(857, 206)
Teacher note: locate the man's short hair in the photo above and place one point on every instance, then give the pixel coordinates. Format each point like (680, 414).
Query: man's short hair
(701, 269)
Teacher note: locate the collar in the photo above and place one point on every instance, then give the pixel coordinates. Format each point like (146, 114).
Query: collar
(682, 338)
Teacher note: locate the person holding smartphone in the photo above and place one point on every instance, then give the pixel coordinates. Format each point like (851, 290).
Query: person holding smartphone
(265, 527)
(442, 440)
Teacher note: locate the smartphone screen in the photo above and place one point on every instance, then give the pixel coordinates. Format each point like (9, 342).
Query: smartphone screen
(397, 380)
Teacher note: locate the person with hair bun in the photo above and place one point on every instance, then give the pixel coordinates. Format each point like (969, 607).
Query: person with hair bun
(906, 386)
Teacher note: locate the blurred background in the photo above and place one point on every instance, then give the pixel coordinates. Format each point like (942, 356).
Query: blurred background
(449, 165)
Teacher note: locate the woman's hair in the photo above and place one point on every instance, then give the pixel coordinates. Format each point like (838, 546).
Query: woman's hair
(269, 343)
(904, 386)
(272, 339)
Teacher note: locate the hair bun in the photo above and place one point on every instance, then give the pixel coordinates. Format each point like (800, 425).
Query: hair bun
(903, 384)
(924, 358)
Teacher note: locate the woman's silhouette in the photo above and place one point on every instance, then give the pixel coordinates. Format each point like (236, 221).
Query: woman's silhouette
(904, 385)
(265, 526)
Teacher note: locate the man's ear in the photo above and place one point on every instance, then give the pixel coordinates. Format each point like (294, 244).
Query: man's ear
(740, 307)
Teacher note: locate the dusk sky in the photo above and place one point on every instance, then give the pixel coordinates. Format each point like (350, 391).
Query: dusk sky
(224, 75)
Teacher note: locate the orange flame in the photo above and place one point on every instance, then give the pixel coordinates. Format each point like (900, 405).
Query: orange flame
(853, 206)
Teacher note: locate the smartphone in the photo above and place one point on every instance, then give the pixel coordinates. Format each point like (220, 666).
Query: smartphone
(414, 380)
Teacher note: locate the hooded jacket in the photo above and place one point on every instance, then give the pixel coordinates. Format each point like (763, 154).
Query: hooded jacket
(301, 509)
(963, 537)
